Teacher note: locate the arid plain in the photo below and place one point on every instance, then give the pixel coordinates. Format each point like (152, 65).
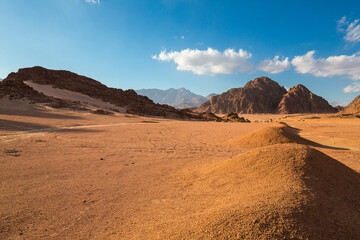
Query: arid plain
(77, 175)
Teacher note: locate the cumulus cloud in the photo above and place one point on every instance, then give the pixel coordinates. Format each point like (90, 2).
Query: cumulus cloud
(209, 62)
(93, 1)
(352, 30)
(352, 88)
(342, 65)
(274, 66)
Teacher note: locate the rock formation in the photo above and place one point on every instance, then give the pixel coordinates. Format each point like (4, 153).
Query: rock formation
(16, 85)
(353, 107)
(339, 108)
(300, 100)
(262, 95)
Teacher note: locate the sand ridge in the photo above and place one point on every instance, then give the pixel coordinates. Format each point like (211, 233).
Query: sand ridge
(107, 177)
(282, 191)
(275, 134)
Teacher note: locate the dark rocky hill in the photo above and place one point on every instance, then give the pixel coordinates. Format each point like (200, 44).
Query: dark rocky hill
(299, 99)
(353, 107)
(263, 95)
(14, 86)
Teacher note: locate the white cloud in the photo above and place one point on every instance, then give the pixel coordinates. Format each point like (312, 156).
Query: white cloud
(274, 66)
(93, 1)
(341, 23)
(208, 62)
(342, 65)
(352, 88)
(352, 30)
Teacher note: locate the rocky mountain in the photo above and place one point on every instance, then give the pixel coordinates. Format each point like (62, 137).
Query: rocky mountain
(64, 89)
(353, 107)
(179, 98)
(299, 99)
(211, 95)
(263, 95)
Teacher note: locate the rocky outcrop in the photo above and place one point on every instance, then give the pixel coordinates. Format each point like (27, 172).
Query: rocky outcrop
(300, 100)
(339, 108)
(14, 86)
(261, 95)
(353, 107)
(234, 117)
(17, 89)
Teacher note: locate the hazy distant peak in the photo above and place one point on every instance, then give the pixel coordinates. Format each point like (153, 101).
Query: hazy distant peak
(179, 98)
(211, 95)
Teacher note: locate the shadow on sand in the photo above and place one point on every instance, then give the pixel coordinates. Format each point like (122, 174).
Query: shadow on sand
(9, 125)
(37, 113)
(309, 142)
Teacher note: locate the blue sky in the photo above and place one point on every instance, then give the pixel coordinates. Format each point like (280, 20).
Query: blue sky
(205, 46)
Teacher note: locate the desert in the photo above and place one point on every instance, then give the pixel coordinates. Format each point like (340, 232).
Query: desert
(79, 175)
(178, 119)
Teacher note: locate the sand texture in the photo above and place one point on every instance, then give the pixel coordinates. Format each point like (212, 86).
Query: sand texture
(74, 175)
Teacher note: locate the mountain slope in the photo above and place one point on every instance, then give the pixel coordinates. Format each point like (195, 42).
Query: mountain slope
(41, 85)
(353, 107)
(260, 95)
(300, 100)
(211, 95)
(263, 95)
(179, 98)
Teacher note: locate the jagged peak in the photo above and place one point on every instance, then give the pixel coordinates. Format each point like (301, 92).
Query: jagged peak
(261, 82)
(299, 87)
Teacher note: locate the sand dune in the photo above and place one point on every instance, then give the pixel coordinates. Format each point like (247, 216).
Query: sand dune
(282, 191)
(275, 134)
(73, 175)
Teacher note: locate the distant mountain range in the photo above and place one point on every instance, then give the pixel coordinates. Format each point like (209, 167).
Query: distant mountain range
(178, 98)
(263, 95)
(64, 89)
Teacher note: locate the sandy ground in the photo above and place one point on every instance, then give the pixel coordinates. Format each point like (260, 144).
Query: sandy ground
(72, 175)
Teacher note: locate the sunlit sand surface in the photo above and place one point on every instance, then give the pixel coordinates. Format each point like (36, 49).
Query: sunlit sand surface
(74, 175)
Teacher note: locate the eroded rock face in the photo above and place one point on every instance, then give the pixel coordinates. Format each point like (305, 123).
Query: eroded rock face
(261, 95)
(81, 84)
(14, 87)
(299, 99)
(353, 107)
